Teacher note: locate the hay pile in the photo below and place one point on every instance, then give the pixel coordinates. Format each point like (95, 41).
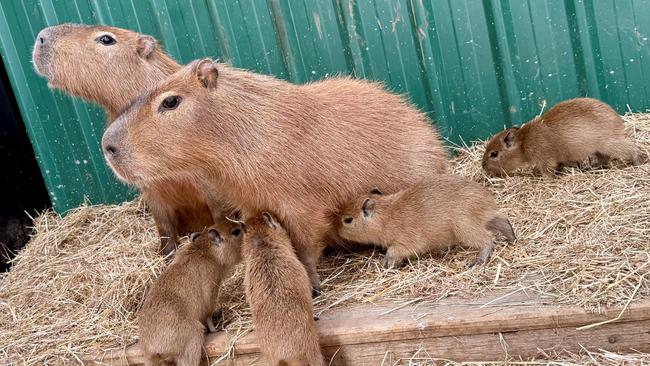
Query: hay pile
(582, 239)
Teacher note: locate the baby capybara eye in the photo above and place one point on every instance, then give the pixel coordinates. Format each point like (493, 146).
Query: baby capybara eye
(236, 232)
(494, 154)
(106, 40)
(347, 220)
(170, 103)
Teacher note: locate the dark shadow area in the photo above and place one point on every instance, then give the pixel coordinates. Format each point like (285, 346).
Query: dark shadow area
(23, 188)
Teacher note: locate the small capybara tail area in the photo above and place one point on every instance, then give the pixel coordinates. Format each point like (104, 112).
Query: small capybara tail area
(502, 225)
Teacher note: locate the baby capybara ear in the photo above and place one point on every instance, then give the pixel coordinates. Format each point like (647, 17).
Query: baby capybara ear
(146, 45)
(509, 140)
(269, 221)
(215, 237)
(194, 236)
(368, 207)
(207, 73)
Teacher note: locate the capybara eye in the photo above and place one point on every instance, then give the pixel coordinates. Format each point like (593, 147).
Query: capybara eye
(236, 232)
(494, 154)
(170, 103)
(347, 220)
(106, 40)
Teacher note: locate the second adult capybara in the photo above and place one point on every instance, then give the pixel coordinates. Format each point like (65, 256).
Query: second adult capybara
(278, 292)
(432, 214)
(181, 301)
(111, 67)
(570, 133)
(298, 150)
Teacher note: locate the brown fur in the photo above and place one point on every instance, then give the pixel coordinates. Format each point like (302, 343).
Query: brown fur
(300, 151)
(279, 295)
(113, 76)
(182, 300)
(570, 133)
(434, 213)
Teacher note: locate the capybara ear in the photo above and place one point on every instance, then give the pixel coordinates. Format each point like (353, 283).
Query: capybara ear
(376, 191)
(215, 237)
(194, 236)
(368, 207)
(269, 221)
(509, 139)
(146, 45)
(207, 73)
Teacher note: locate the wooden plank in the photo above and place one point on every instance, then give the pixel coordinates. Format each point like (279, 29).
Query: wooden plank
(454, 329)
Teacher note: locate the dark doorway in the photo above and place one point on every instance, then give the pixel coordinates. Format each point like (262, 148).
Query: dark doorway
(23, 188)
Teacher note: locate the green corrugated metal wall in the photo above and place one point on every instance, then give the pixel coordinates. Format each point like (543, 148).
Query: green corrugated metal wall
(475, 66)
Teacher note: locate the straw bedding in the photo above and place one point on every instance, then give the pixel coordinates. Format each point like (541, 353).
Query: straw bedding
(582, 239)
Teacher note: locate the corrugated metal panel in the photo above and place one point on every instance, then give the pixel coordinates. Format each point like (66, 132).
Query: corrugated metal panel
(474, 66)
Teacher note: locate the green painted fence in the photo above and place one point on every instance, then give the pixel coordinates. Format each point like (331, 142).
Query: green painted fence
(474, 66)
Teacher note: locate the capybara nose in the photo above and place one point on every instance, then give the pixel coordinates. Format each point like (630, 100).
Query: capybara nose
(43, 38)
(110, 150)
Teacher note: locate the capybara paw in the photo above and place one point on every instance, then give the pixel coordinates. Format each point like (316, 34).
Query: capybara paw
(217, 317)
(478, 261)
(209, 325)
(390, 262)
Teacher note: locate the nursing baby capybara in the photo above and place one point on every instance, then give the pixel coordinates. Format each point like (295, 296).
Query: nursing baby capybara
(111, 67)
(264, 143)
(279, 295)
(569, 134)
(181, 301)
(434, 213)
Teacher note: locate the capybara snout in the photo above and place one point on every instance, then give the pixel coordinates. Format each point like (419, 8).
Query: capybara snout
(115, 154)
(44, 47)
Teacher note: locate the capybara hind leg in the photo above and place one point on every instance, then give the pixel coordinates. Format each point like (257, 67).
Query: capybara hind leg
(316, 358)
(483, 257)
(599, 160)
(193, 354)
(622, 150)
(209, 325)
(479, 238)
(502, 225)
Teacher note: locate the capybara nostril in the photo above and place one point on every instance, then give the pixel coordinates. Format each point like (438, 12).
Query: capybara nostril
(43, 38)
(110, 150)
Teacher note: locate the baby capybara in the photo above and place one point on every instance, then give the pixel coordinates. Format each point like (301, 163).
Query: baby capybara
(299, 151)
(570, 133)
(181, 301)
(279, 295)
(111, 67)
(434, 213)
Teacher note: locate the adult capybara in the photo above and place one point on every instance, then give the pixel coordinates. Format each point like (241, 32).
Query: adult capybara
(278, 292)
(434, 213)
(111, 67)
(178, 308)
(570, 133)
(299, 151)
